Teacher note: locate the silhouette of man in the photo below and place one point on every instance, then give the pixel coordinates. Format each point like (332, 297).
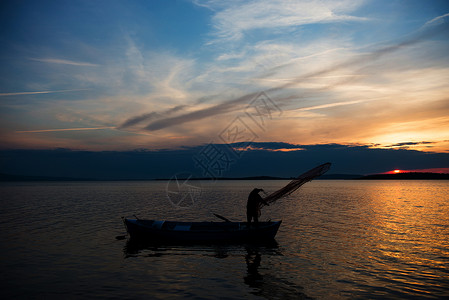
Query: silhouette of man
(252, 206)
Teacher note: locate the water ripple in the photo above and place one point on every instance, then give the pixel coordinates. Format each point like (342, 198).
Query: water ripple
(338, 239)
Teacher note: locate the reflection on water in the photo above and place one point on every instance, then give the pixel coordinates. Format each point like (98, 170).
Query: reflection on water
(260, 278)
(338, 240)
(383, 239)
(409, 236)
(267, 285)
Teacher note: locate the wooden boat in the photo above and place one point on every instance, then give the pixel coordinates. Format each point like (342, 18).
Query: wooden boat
(201, 231)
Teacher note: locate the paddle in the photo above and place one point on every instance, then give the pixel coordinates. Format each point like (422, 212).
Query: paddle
(221, 217)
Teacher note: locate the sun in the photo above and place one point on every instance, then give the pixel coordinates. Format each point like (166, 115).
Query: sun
(395, 171)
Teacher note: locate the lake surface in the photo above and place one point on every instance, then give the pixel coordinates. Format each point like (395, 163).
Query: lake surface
(338, 240)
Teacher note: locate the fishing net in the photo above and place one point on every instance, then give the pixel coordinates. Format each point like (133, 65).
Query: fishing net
(297, 183)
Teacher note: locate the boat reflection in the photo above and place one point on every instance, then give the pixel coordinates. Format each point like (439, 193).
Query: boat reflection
(253, 259)
(267, 285)
(261, 260)
(138, 247)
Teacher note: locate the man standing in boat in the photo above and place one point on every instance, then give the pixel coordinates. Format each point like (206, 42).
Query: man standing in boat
(252, 206)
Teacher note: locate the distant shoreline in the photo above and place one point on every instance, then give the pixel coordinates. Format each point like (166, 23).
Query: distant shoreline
(11, 177)
(406, 176)
(400, 176)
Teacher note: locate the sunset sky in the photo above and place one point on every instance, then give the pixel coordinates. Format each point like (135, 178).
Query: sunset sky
(124, 75)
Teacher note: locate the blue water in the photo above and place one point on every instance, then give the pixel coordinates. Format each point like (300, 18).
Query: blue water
(338, 240)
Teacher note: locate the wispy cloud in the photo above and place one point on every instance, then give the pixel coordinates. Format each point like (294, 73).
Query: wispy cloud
(232, 21)
(64, 129)
(64, 62)
(330, 105)
(214, 110)
(328, 64)
(358, 61)
(437, 21)
(133, 121)
(406, 144)
(40, 92)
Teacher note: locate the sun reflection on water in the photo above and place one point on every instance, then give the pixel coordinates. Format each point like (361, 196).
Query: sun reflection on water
(371, 239)
(410, 228)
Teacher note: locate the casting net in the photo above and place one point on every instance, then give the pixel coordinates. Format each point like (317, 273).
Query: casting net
(297, 183)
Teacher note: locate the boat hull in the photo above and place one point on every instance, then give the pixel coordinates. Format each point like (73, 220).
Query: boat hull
(201, 231)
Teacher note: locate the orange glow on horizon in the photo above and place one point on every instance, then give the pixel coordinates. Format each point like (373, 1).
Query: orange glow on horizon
(431, 170)
(267, 149)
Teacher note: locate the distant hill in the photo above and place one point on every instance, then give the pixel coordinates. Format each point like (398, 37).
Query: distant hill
(323, 177)
(411, 175)
(13, 177)
(402, 176)
(339, 176)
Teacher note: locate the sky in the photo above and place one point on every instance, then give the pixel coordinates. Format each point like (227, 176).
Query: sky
(170, 75)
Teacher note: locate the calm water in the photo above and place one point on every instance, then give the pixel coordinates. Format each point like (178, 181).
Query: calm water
(338, 239)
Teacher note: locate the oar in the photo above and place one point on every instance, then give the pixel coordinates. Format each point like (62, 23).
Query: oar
(221, 217)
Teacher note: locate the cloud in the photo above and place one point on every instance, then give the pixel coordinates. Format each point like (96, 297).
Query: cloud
(267, 146)
(437, 21)
(64, 62)
(221, 108)
(161, 76)
(63, 129)
(329, 105)
(234, 20)
(346, 159)
(359, 61)
(331, 85)
(40, 92)
(408, 144)
(139, 119)
(133, 121)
